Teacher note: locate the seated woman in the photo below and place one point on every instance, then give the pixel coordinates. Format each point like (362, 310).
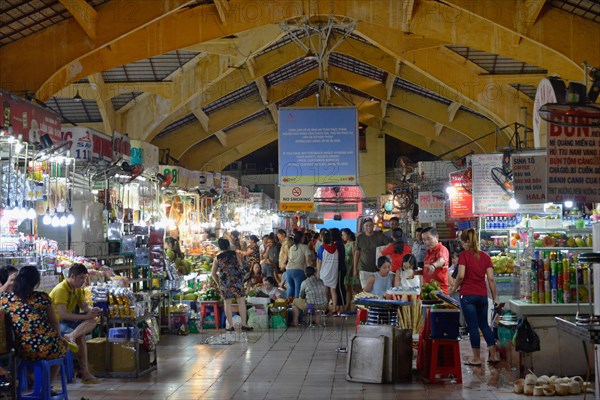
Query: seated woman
(270, 288)
(253, 278)
(381, 280)
(406, 277)
(34, 324)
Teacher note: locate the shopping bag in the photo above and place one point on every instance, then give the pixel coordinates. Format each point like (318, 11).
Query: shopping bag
(525, 339)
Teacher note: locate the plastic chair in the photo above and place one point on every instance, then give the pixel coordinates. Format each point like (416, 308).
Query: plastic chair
(41, 379)
(445, 359)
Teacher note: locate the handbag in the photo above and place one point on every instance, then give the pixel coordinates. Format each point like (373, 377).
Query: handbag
(525, 339)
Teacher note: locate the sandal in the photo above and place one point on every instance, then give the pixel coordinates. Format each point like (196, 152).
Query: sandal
(471, 363)
(230, 329)
(247, 328)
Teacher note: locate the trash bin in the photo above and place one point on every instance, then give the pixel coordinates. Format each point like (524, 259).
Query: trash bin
(403, 355)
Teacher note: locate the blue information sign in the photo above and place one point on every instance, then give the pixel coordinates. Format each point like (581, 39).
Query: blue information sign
(318, 146)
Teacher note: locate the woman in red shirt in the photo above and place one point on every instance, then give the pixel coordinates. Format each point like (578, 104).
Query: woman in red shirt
(474, 266)
(396, 250)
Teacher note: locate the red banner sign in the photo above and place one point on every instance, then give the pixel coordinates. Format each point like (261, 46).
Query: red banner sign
(27, 119)
(461, 201)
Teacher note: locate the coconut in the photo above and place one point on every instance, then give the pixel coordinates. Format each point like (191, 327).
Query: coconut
(541, 381)
(530, 379)
(528, 389)
(562, 389)
(574, 388)
(519, 386)
(549, 391)
(538, 390)
(552, 379)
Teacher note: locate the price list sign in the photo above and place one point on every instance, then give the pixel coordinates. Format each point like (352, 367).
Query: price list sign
(431, 209)
(529, 178)
(488, 196)
(573, 164)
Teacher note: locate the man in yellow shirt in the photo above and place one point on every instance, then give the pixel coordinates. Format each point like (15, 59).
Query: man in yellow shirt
(74, 326)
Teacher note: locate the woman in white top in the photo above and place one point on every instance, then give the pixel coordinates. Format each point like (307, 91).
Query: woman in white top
(327, 265)
(298, 258)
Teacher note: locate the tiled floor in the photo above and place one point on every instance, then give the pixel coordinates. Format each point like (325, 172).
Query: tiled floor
(300, 363)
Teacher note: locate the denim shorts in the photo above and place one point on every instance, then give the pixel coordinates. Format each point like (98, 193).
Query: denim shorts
(67, 327)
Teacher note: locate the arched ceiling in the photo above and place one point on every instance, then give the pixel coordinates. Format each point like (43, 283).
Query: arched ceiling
(205, 78)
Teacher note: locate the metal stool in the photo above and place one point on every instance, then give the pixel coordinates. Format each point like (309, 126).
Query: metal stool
(343, 345)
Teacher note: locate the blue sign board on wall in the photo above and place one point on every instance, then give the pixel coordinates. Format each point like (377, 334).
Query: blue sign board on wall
(318, 146)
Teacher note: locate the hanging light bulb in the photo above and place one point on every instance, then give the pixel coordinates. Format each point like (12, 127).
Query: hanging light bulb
(62, 220)
(70, 218)
(55, 220)
(47, 220)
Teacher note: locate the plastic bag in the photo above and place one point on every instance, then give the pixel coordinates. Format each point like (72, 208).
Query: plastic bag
(256, 320)
(526, 340)
(277, 322)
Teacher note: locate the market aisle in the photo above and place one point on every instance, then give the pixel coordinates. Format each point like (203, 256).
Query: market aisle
(293, 364)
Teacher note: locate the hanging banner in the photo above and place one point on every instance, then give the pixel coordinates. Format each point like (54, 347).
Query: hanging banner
(27, 119)
(296, 198)
(461, 202)
(488, 195)
(431, 209)
(318, 146)
(144, 153)
(87, 144)
(121, 146)
(573, 164)
(529, 178)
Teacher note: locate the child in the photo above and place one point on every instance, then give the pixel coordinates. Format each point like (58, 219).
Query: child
(381, 280)
(406, 277)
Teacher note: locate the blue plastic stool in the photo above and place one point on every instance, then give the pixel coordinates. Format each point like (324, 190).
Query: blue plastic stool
(69, 368)
(41, 379)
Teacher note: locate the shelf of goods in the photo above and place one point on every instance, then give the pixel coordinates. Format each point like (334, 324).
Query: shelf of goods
(137, 277)
(127, 356)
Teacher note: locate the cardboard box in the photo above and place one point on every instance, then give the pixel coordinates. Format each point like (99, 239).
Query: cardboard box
(97, 355)
(122, 357)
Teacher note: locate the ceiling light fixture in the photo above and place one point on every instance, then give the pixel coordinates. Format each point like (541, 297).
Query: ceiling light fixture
(77, 97)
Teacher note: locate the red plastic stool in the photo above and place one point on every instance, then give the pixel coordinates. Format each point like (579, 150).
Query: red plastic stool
(215, 310)
(361, 315)
(445, 359)
(424, 343)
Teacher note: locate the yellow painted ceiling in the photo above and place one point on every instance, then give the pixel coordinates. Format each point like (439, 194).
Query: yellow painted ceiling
(435, 74)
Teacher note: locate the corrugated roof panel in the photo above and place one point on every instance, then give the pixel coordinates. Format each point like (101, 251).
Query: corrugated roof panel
(153, 69)
(233, 97)
(246, 120)
(73, 111)
(291, 70)
(528, 90)
(588, 9)
(121, 100)
(496, 64)
(357, 66)
(180, 123)
(21, 18)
